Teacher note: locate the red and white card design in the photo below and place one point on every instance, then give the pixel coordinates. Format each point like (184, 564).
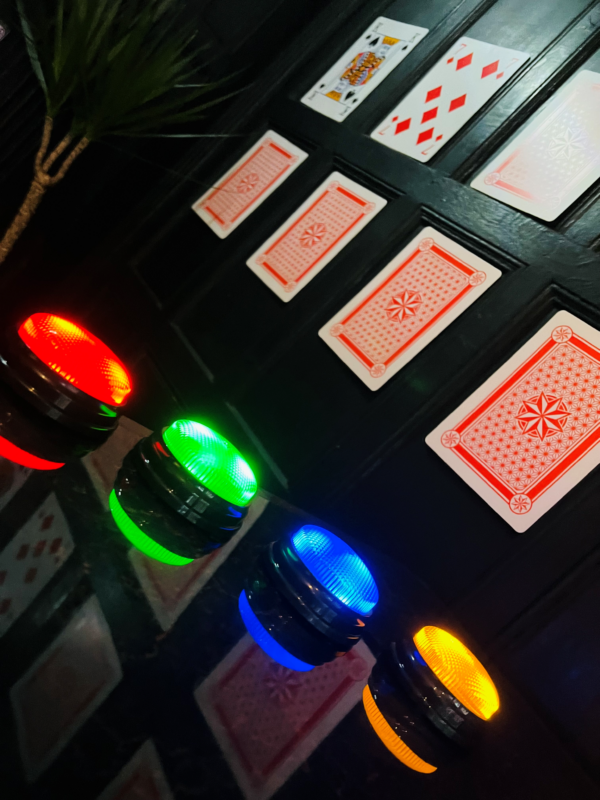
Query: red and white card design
(531, 432)
(248, 183)
(555, 158)
(268, 719)
(323, 225)
(410, 302)
(64, 687)
(31, 559)
(142, 778)
(447, 97)
(363, 67)
(12, 477)
(170, 589)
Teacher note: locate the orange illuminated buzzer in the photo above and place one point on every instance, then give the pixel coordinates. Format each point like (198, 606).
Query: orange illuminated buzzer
(77, 356)
(459, 670)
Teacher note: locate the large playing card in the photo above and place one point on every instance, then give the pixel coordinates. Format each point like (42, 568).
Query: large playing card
(314, 234)
(12, 477)
(170, 589)
(531, 432)
(268, 719)
(420, 292)
(64, 687)
(248, 183)
(31, 559)
(142, 778)
(447, 97)
(362, 67)
(555, 158)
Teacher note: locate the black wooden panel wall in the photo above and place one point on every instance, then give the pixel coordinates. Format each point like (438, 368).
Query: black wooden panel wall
(318, 424)
(356, 457)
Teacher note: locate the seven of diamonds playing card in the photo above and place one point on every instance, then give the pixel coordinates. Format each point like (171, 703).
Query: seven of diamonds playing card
(531, 432)
(64, 687)
(363, 67)
(248, 183)
(447, 97)
(555, 158)
(322, 226)
(31, 559)
(268, 719)
(420, 292)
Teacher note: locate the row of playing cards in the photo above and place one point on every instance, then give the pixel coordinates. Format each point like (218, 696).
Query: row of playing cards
(543, 170)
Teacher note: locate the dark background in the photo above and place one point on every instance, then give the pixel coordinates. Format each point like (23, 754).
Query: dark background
(117, 246)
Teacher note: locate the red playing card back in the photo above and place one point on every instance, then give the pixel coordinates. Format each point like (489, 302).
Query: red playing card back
(248, 183)
(310, 238)
(414, 297)
(534, 428)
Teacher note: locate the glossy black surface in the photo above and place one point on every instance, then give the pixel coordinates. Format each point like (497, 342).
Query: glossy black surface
(355, 457)
(26, 428)
(50, 393)
(159, 520)
(519, 757)
(181, 490)
(206, 336)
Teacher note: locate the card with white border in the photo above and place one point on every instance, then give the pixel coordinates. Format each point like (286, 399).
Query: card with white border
(320, 229)
(64, 687)
(142, 778)
(104, 463)
(462, 81)
(531, 432)
(268, 719)
(31, 559)
(555, 158)
(430, 283)
(248, 183)
(170, 589)
(363, 67)
(12, 477)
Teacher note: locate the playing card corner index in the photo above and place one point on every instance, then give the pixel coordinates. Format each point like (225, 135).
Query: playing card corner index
(363, 67)
(464, 79)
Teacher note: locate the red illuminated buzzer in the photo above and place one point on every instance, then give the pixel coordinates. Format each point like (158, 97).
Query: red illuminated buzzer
(73, 385)
(78, 356)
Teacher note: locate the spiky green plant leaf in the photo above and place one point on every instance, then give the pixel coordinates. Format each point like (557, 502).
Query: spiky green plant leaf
(118, 67)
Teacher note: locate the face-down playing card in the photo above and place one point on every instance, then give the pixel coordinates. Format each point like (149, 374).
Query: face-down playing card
(323, 225)
(447, 97)
(170, 589)
(555, 158)
(268, 719)
(12, 477)
(248, 183)
(142, 778)
(31, 559)
(363, 67)
(410, 302)
(531, 432)
(64, 687)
